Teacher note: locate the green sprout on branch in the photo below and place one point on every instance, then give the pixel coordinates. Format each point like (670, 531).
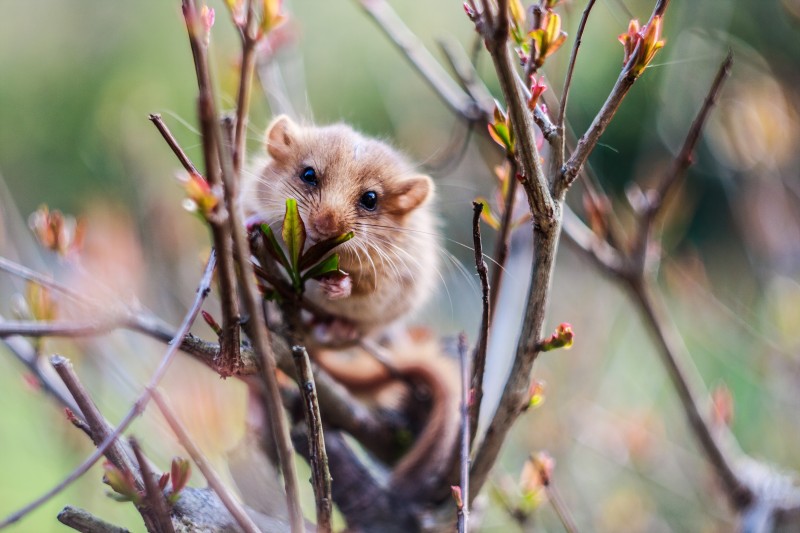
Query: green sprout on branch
(300, 265)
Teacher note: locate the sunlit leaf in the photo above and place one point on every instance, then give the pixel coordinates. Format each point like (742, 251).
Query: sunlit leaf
(294, 232)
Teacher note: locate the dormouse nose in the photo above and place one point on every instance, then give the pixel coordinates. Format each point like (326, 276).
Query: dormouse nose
(326, 224)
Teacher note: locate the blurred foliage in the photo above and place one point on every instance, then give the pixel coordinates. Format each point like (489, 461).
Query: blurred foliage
(80, 77)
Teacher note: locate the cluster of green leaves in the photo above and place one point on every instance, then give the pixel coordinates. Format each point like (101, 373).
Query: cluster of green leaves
(300, 265)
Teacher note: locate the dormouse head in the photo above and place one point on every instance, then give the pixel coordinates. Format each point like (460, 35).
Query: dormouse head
(342, 180)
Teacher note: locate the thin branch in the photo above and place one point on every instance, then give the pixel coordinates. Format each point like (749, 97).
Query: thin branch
(85, 522)
(154, 502)
(23, 272)
(503, 243)
(680, 164)
(318, 456)
(590, 138)
(64, 328)
(138, 407)
(479, 357)
(99, 428)
(219, 222)
(561, 509)
(468, 76)
(411, 47)
(249, 41)
(172, 142)
(213, 479)
(466, 433)
(562, 109)
(28, 356)
(673, 351)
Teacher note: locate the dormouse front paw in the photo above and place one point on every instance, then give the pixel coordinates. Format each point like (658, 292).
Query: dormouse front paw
(336, 285)
(338, 332)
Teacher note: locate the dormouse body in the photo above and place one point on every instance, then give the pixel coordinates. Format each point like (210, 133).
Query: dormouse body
(344, 181)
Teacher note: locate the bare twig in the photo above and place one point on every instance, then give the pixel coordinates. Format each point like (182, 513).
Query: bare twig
(318, 456)
(156, 119)
(249, 41)
(219, 160)
(219, 222)
(45, 281)
(561, 509)
(479, 357)
(679, 165)
(466, 433)
(155, 505)
(214, 481)
(28, 356)
(673, 351)
(503, 243)
(85, 522)
(410, 46)
(138, 407)
(562, 109)
(590, 138)
(99, 428)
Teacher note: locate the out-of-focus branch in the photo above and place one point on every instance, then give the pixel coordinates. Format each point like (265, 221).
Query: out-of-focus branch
(28, 356)
(680, 164)
(318, 456)
(630, 268)
(249, 42)
(673, 352)
(503, 243)
(85, 522)
(213, 479)
(99, 428)
(410, 46)
(138, 407)
(219, 221)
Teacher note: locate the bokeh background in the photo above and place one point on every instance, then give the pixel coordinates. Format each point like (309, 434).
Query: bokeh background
(79, 79)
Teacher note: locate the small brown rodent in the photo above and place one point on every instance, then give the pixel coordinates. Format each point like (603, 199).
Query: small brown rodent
(344, 181)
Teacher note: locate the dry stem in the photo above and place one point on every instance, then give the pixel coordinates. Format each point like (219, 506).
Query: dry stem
(318, 456)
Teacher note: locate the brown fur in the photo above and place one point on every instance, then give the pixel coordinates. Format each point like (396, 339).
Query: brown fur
(393, 258)
(417, 368)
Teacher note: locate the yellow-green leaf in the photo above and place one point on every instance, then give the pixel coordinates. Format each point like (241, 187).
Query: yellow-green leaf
(294, 232)
(318, 251)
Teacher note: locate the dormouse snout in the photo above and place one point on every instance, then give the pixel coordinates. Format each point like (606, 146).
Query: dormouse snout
(326, 224)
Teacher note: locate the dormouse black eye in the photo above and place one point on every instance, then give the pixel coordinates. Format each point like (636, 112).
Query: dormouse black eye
(309, 175)
(369, 200)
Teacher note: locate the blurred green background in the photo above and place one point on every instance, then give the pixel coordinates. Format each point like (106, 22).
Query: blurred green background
(79, 79)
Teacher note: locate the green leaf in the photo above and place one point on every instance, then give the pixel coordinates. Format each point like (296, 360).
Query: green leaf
(274, 248)
(294, 232)
(326, 266)
(318, 251)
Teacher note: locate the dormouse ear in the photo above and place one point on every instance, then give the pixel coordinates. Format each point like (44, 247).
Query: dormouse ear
(281, 138)
(412, 193)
